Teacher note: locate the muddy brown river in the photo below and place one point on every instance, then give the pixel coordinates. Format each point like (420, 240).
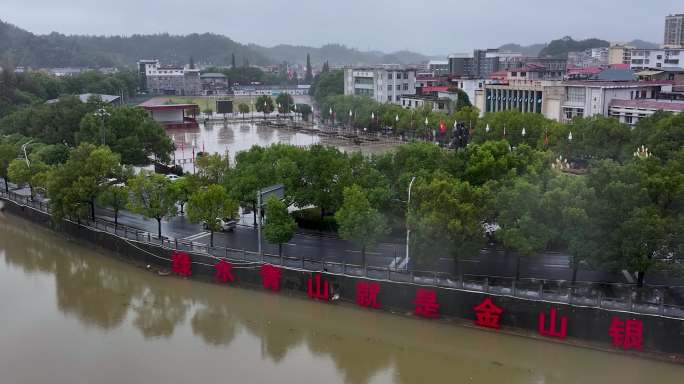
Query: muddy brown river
(73, 315)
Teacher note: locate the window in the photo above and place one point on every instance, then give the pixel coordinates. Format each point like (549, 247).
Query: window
(389, 87)
(406, 87)
(405, 75)
(389, 75)
(389, 97)
(523, 74)
(628, 119)
(403, 102)
(398, 87)
(397, 98)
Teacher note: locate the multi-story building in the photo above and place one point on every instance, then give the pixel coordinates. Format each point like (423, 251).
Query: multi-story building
(214, 83)
(620, 54)
(674, 31)
(169, 79)
(657, 58)
(591, 98)
(589, 58)
(438, 67)
(479, 65)
(631, 111)
(386, 84)
(518, 92)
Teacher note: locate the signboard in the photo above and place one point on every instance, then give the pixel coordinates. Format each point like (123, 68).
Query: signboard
(277, 190)
(224, 106)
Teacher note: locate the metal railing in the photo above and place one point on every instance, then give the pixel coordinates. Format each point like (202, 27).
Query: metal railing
(662, 301)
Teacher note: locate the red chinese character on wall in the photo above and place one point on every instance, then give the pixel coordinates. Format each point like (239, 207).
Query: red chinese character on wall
(316, 290)
(426, 303)
(627, 334)
(270, 277)
(181, 264)
(552, 330)
(367, 294)
(487, 314)
(224, 271)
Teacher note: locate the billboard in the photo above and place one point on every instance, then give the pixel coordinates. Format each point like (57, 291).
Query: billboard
(224, 106)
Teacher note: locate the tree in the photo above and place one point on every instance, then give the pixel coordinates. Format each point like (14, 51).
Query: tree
(115, 197)
(22, 173)
(521, 219)
(359, 222)
(322, 170)
(327, 84)
(213, 169)
(309, 72)
(183, 188)
(151, 197)
(210, 205)
(232, 61)
(305, 110)
(286, 102)
(130, 132)
(446, 218)
(74, 186)
(280, 226)
(264, 104)
(243, 108)
(8, 152)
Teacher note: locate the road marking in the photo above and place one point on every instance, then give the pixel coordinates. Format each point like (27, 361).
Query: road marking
(197, 236)
(555, 266)
(367, 253)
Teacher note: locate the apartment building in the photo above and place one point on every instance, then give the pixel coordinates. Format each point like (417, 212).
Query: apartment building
(168, 79)
(674, 31)
(656, 58)
(386, 84)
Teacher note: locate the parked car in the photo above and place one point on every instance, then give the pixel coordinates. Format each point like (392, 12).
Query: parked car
(226, 225)
(172, 177)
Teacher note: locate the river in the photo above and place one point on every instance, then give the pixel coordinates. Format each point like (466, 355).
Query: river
(71, 314)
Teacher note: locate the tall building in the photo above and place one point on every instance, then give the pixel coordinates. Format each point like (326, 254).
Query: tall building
(674, 31)
(620, 54)
(385, 84)
(480, 64)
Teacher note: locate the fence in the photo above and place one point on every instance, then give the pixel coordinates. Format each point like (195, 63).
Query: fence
(663, 301)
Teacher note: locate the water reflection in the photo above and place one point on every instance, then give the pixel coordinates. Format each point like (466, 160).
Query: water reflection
(272, 337)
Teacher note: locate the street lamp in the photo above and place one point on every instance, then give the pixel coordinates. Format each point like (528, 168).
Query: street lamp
(408, 228)
(102, 113)
(570, 136)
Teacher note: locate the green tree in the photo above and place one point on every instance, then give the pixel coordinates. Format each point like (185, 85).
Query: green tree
(213, 169)
(115, 197)
(280, 226)
(210, 205)
(74, 186)
(286, 102)
(130, 132)
(8, 152)
(359, 222)
(322, 171)
(243, 108)
(151, 197)
(183, 188)
(264, 104)
(446, 217)
(520, 216)
(327, 84)
(22, 173)
(232, 61)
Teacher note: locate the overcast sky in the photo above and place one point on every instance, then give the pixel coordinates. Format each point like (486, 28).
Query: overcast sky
(432, 27)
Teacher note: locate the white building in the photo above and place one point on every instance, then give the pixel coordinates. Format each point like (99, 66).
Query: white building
(169, 79)
(656, 58)
(631, 111)
(383, 84)
(590, 98)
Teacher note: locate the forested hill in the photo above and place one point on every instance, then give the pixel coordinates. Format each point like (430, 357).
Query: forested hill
(22, 48)
(561, 47)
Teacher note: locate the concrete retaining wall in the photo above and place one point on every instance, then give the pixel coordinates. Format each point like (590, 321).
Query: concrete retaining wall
(662, 336)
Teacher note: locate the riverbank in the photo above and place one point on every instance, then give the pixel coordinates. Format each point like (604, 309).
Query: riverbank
(586, 327)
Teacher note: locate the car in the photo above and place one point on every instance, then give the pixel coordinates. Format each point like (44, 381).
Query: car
(172, 177)
(226, 224)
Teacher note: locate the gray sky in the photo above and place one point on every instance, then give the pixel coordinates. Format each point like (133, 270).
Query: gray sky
(434, 26)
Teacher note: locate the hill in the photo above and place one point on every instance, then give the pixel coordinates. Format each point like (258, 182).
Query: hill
(22, 48)
(561, 47)
(643, 44)
(529, 50)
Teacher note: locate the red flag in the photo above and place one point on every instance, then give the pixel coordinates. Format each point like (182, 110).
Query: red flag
(442, 127)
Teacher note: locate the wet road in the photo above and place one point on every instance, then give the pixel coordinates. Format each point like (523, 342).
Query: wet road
(72, 316)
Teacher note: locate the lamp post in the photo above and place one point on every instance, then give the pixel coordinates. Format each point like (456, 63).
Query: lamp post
(332, 117)
(396, 123)
(408, 228)
(102, 113)
(264, 109)
(351, 115)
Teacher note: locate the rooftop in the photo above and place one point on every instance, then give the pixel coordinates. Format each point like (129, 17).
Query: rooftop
(86, 96)
(615, 84)
(213, 75)
(665, 105)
